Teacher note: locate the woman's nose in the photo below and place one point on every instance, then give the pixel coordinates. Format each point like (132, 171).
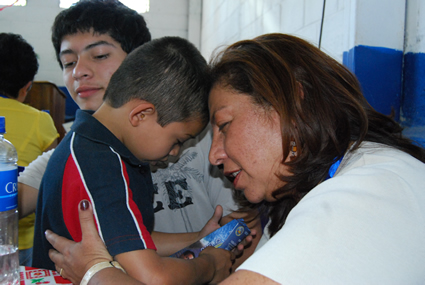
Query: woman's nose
(217, 153)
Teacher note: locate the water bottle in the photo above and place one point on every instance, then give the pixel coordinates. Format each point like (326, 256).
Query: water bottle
(9, 255)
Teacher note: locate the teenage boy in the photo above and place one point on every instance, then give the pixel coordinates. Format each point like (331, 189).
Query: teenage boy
(155, 101)
(91, 39)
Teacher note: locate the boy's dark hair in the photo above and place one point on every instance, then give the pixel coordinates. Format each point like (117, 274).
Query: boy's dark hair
(168, 72)
(110, 17)
(18, 64)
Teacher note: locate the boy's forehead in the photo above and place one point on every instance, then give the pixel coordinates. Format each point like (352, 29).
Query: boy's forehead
(85, 40)
(193, 127)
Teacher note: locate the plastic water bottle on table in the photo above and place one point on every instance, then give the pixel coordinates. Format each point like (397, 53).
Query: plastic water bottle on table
(9, 256)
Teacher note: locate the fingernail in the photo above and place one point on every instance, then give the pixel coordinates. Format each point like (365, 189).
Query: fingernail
(84, 205)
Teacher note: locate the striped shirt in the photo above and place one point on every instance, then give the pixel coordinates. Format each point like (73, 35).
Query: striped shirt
(91, 163)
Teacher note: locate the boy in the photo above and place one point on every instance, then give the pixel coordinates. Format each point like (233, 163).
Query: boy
(156, 100)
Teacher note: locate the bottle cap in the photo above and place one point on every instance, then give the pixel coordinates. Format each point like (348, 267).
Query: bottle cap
(2, 125)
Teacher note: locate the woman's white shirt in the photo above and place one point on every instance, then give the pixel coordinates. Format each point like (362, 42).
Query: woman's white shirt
(366, 225)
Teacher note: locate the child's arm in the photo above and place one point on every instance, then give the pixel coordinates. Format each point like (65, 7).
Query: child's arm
(29, 184)
(149, 267)
(212, 266)
(27, 200)
(169, 243)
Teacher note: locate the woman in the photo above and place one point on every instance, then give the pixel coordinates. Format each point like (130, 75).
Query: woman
(342, 188)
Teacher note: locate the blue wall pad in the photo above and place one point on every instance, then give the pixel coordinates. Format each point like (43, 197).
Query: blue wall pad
(379, 71)
(417, 134)
(413, 105)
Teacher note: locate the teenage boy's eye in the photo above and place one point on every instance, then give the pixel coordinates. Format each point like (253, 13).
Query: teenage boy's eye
(102, 56)
(68, 64)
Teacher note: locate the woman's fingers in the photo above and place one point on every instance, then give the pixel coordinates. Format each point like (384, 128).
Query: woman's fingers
(88, 227)
(57, 259)
(73, 259)
(58, 242)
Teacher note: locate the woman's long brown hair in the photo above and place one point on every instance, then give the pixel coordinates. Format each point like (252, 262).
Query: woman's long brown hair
(320, 104)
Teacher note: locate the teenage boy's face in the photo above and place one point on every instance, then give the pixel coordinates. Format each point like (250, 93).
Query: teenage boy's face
(88, 62)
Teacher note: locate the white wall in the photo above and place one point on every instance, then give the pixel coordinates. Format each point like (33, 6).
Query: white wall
(415, 27)
(34, 21)
(211, 23)
(347, 22)
(168, 18)
(380, 25)
(225, 22)
(206, 23)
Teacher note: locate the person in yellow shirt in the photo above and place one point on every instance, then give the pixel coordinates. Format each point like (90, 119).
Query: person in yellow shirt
(31, 131)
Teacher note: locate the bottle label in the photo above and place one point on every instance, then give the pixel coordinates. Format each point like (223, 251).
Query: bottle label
(8, 190)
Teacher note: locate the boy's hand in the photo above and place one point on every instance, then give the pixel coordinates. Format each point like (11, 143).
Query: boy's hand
(245, 243)
(213, 223)
(217, 221)
(222, 260)
(76, 258)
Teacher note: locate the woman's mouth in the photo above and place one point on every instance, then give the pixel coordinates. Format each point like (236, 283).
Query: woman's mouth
(233, 177)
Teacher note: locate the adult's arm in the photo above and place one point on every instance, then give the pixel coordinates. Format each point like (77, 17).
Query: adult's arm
(213, 264)
(29, 184)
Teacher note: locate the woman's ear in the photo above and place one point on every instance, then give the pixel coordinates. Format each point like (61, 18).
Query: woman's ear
(141, 112)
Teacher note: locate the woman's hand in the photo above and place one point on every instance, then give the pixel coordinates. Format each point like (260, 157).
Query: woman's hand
(76, 258)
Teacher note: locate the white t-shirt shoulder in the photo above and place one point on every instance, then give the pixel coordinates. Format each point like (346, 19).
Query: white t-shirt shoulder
(34, 172)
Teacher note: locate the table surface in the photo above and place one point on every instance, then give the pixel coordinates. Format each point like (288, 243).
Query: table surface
(30, 275)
